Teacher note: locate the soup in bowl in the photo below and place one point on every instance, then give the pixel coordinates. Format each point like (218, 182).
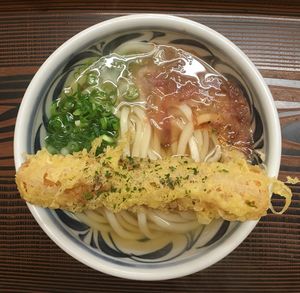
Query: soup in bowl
(155, 140)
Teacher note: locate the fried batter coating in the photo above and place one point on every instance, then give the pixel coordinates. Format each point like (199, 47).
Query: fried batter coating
(231, 189)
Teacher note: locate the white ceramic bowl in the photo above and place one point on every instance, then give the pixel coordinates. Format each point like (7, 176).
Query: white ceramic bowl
(78, 240)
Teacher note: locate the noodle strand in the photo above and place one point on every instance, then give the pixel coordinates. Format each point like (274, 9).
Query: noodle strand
(184, 138)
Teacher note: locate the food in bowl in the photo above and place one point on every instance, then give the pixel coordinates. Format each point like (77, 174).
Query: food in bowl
(149, 127)
(133, 243)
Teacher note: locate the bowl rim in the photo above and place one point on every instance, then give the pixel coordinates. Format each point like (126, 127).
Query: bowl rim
(135, 21)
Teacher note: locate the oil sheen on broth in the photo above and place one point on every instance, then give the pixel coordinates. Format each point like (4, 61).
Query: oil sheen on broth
(172, 76)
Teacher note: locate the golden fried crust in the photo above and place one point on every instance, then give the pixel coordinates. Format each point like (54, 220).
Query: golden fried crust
(232, 189)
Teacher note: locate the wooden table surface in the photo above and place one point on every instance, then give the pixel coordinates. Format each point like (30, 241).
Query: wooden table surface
(267, 261)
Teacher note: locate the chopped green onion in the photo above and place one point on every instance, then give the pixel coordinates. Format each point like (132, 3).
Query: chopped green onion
(69, 132)
(77, 112)
(132, 93)
(92, 78)
(107, 138)
(103, 122)
(84, 110)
